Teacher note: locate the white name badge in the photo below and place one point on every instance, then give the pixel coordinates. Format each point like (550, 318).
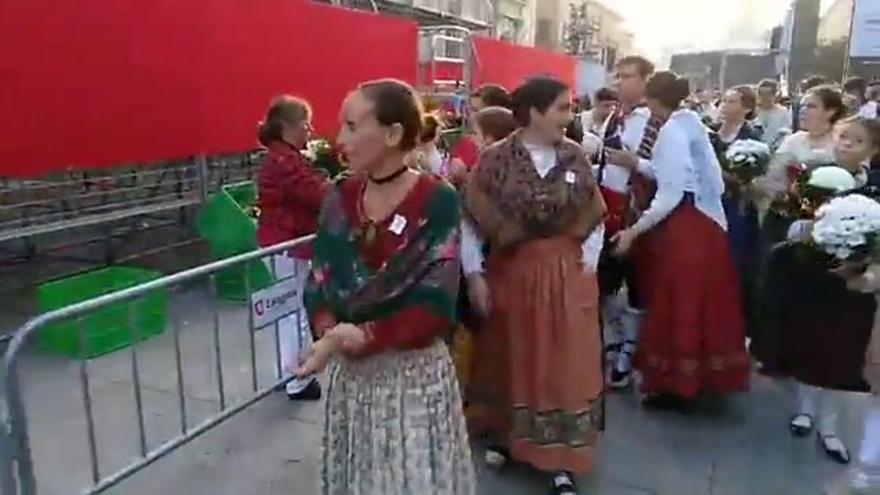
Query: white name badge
(570, 177)
(398, 224)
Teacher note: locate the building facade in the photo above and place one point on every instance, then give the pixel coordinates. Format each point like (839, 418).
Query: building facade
(835, 24)
(612, 39)
(514, 20)
(592, 30)
(551, 17)
(722, 69)
(473, 14)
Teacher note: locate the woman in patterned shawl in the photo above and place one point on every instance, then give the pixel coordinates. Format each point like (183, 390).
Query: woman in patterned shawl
(537, 385)
(382, 291)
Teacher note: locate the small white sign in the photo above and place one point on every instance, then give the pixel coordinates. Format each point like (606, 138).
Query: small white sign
(570, 177)
(398, 224)
(275, 302)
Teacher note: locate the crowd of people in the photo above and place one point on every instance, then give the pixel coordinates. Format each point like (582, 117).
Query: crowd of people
(626, 257)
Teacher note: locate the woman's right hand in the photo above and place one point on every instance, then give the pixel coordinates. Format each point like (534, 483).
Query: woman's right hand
(316, 358)
(479, 295)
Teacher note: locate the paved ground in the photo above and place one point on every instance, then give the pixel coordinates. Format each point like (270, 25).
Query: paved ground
(739, 448)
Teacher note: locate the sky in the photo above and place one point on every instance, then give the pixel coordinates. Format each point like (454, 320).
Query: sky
(664, 26)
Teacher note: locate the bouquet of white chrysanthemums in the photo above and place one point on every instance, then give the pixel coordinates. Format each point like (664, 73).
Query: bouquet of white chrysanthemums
(317, 147)
(325, 158)
(747, 159)
(848, 228)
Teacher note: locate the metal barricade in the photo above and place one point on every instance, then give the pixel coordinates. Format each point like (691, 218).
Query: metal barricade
(17, 472)
(87, 217)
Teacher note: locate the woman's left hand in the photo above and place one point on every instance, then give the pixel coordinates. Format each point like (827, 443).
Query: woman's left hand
(623, 241)
(732, 184)
(849, 269)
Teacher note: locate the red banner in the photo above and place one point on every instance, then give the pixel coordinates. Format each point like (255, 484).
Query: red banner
(509, 65)
(102, 82)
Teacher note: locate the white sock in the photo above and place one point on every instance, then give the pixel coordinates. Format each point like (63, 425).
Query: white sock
(629, 322)
(828, 413)
(869, 453)
(624, 359)
(611, 320)
(494, 458)
(807, 397)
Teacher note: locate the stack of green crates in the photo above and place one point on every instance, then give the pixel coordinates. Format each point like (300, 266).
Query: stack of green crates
(230, 231)
(106, 329)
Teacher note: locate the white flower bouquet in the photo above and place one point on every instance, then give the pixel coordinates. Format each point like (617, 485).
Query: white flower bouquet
(317, 147)
(747, 159)
(325, 158)
(848, 228)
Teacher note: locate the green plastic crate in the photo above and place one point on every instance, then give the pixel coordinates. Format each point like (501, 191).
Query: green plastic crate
(223, 221)
(109, 328)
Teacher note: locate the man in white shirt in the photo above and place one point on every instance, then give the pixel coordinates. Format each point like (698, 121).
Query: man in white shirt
(866, 95)
(871, 108)
(604, 102)
(623, 137)
(774, 118)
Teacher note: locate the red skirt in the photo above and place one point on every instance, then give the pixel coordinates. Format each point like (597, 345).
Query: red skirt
(693, 334)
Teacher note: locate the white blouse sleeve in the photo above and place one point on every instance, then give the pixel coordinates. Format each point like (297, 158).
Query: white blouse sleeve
(471, 249)
(591, 249)
(868, 110)
(644, 168)
(775, 181)
(671, 163)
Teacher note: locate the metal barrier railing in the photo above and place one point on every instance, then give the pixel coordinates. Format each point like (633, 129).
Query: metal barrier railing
(31, 208)
(17, 473)
(81, 219)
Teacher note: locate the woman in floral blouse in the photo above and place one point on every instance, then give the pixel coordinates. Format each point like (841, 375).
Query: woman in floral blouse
(382, 292)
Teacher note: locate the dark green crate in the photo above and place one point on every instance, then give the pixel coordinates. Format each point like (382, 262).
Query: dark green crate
(106, 329)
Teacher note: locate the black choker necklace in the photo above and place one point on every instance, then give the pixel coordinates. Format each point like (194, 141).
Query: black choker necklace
(389, 178)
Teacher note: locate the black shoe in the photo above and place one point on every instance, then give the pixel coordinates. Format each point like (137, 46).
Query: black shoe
(834, 448)
(563, 484)
(312, 392)
(667, 402)
(619, 379)
(770, 371)
(802, 428)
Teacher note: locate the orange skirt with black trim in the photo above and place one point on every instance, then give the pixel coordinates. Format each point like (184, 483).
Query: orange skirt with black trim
(537, 384)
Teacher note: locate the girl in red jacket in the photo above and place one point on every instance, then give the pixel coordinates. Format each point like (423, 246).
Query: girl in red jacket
(290, 195)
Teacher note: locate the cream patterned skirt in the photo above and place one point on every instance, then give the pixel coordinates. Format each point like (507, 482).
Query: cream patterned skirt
(393, 425)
